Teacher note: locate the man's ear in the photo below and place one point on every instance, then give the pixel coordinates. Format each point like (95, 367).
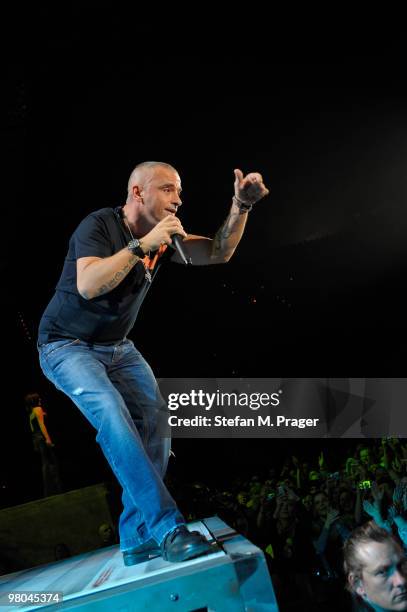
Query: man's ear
(357, 584)
(137, 192)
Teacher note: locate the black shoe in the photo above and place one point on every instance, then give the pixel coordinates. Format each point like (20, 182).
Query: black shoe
(141, 553)
(181, 544)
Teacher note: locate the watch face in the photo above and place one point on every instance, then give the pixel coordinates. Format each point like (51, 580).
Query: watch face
(135, 248)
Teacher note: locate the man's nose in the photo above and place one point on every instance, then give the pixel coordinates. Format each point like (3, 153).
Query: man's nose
(399, 579)
(178, 201)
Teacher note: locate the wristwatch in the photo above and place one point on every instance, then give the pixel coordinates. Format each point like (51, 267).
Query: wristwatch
(134, 247)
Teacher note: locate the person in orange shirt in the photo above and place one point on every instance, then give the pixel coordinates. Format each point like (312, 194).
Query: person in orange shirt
(43, 444)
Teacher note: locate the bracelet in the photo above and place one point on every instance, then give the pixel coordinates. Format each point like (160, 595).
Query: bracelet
(242, 206)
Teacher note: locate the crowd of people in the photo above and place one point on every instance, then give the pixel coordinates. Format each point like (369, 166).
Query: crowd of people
(303, 513)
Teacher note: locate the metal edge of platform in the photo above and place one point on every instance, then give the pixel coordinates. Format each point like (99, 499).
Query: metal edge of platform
(249, 574)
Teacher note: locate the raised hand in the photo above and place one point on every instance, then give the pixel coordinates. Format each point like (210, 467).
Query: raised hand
(295, 461)
(391, 514)
(396, 465)
(249, 189)
(400, 499)
(321, 460)
(370, 509)
(351, 465)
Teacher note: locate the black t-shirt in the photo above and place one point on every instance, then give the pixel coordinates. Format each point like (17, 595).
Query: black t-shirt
(108, 318)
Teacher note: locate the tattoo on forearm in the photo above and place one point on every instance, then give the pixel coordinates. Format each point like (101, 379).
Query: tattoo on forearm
(118, 277)
(224, 233)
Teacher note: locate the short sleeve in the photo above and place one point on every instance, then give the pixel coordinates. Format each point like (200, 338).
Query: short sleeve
(92, 239)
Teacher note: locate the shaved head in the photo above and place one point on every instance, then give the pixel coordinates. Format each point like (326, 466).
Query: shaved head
(142, 173)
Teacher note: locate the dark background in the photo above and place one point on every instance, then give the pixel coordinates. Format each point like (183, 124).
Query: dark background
(316, 287)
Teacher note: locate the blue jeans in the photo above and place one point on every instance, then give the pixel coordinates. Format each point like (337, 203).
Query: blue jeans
(115, 389)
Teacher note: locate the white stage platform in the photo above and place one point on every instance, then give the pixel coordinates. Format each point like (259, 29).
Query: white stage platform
(234, 577)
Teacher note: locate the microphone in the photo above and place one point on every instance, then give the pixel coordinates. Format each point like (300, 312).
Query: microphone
(177, 241)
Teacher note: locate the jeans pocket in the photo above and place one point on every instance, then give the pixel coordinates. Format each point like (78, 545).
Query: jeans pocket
(51, 347)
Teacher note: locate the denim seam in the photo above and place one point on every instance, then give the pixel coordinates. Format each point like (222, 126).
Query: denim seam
(58, 348)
